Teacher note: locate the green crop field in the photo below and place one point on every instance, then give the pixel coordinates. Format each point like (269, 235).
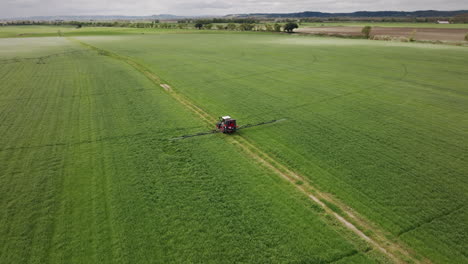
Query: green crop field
(88, 173)
(54, 31)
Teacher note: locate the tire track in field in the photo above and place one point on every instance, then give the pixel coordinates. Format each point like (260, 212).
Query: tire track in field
(40, 59)
(242, 76)
(89, 141)
(67, 144)
(120, 93)
(430, 220)
(394, 250)
(401, 78)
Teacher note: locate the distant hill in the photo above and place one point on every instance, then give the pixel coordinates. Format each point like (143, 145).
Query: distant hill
(99, 18)
(422, 13)
(306, 14)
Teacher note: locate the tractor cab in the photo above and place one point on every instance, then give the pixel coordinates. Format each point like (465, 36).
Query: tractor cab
(226, 125)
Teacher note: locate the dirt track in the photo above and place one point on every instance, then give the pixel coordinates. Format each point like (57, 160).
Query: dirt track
(433, 34)
(166, 87)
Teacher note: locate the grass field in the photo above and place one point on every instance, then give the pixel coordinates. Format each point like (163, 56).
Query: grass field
(54, 31)
(88, 174)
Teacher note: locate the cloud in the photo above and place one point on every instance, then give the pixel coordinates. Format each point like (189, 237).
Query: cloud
(22, 8)
(203, 5)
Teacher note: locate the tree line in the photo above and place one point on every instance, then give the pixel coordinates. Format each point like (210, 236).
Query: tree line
(205, 24)
(288, 27)
(220, 20)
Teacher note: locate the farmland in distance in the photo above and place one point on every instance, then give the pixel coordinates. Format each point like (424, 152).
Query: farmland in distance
(88, 173)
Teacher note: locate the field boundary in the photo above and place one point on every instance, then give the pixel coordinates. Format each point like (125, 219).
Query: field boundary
(392, 248)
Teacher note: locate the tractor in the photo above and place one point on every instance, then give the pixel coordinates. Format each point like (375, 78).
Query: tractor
(226, 125)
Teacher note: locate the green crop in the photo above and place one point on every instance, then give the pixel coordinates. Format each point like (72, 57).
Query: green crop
(88, 173)
(382, 126)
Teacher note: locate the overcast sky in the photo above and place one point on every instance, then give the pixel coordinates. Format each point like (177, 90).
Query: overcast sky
(22, 8)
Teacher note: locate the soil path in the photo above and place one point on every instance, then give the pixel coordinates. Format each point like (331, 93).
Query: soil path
(166, 87)
(391, 248)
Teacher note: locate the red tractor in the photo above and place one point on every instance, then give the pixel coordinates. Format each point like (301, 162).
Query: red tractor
(226, 125)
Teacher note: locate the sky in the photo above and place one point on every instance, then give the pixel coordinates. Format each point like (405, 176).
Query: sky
(25, 8)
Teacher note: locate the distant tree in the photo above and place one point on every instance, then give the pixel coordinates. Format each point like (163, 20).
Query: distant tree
(269, 27)
(220, 27)
(366, 31)
(246, 26)
(140, 25)
(277, 27)
(208, 26)
(461, 18)
(231, 26)
(290, 26)
(199, 25)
